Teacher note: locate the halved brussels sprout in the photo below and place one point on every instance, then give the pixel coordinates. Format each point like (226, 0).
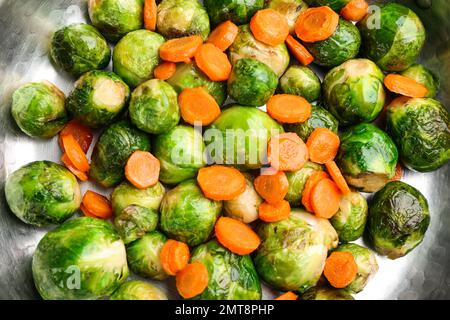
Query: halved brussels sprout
(354, 91)
(231, 276)
(367, 157)
(301, 81)
(138, 290)
(291, 9)
(421, 129)
(398, 219)
(79, 48)
(326, 293)
(238, 11)
(297, 181)
(42, 193)
(136, 55)
(39, 109)
(98, 98)
(112, 150)
(83, 258)
(336, 5)
(187, 215)
(425, 77)
(135, 221)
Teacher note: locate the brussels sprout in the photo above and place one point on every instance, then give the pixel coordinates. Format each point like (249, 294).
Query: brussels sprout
(143, 255)
(38, 109)
(112, 151)
(246, 46)
(297, 181)
(180, 18)
(301, 81)
(326, 293)
(81, 259)
(79, 48)
(367, 157)
(238, 11)
(393, 36)
(115, 18)
(180, 152)
(42, 193)
(421, 129)
(350, 221)
(138, 290)
(398, 219)
(136, 55)
(231, 276)
(187, 75)
(320, 118)
(251, 82)
(336, 5)
(425, 77)
(187, 215)
(240, 136)
(134, 221)
(354, 91)
(98, 98)
(292, 253)
(291, 9)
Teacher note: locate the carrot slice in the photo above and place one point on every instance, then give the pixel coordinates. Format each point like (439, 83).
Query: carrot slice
(142, 169)
(272, 187)
(223, 35)
(80, 132)
(221, 183)
(309, 185)
(174, 256)
(405, 86)
(287, 152)
(180, 49)
(337, 177)
(274, 213)
(355, 10)
(97, 204)
(192, 280)
(323, 145)
(198, 106)
(398, 173)
(288, 108)
(340, 269)
(236, 236)
(165, 70)
(299, 51)
(82, 176)
(86, 212)
(213, 62)
(75, 153)
(150, 12)
(325, 198)
(287, 296)
(316, 24)
(269, 26)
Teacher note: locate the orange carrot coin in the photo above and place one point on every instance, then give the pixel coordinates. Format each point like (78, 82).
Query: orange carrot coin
(75, 153)
(213, 62)
(269, 27)
(221, 183)
(337, 177)
(340, 269)
(323, 145)
(165, 70)
(82, 176)
(192, 280)
(223, 35)
(142, 169)
(236, 236)
(287, 152)
(180, 49)
(299, 51)
(198, 106)
(309, 185)
(316, 24)
(272, 187)
(80, 132)
(97, 205)
(287, 296)
(288, 108)
(273, 213)
(325, 199)
(355, 10)
(405, 86)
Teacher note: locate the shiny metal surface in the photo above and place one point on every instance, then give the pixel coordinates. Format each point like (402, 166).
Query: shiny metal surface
(25, 30)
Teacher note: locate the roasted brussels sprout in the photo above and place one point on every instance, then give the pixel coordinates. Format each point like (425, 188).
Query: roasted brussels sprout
(238, 11)
(98, 98)
(326, 293)
(292, 253)
(138, 290)
(136, 55)
(115, 18)
(393, 36)
(79, 48)
(231, 276)
(134, 222)
(291, 9)
(251, 82)
(81, 259)
(246, 46)
(297, 181)
(354, 91)
(187, 215)
(336, 5)
(42, 193)
(421, 129)
(301, 81)
(425, 77)
(39, 109)
(398, 219)
(112, 151)
(180, 18)
(367, 157)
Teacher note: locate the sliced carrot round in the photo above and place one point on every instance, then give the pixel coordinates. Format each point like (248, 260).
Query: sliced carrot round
(355, 10)
(405, 86)
(337, 177)
(323, 145)
(174, 256)
(223, 35)
(287, 152)
(316, 24)
(221, 183)
(287, 296)
(180, 49)
(142, 169)
(165, 70)
(97, 204)
(75, 153)
(269, 26)
(288, 108)
(213, 62)
(82, 176)
(272, 187)
(150, 13)
(86, 212)
(81, 133)
(309, 185)
(340, 269)
(325, 198)
(299, 51)
(273, 213)
(236, 236)
(192, 280)
(198, 106)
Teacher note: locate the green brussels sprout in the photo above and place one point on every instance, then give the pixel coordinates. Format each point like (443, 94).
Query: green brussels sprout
(240, 136)
(79, 48)
(393, 36)
(246, 46)
(297, 181)
(354, 91)
(291, 9)
(421, 129)
(425, 77)
(326, 293)
(336, 5)
(180, 18)
(42, 193)
(301, 81)
(138, 290)
(366, 262)
(187, 75)
(238, 11)
(39, 109)
(187, 215)
(350, 221)
(112, 150)
(136, 55)
(115, 18)
(292, 253)
(180, 152)
(367, 157)
(231, 276)
(398, 219)
(98, 98)
(251, 82)
(134, 221)
(83, 258)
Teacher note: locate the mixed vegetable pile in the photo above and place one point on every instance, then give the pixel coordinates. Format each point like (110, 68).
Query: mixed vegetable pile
(225, 197)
